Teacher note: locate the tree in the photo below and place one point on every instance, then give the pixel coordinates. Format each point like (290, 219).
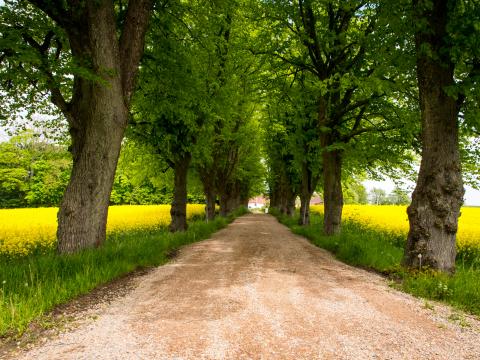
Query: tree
(292, 105)
(104, 44)
(227, 156)
(283, 178)
(167, 111)
(351, 60)
(378, 196)
(355, 192)
(205, 111)
(137, 181)
(399, 196)
(448, 69)
(33, 172)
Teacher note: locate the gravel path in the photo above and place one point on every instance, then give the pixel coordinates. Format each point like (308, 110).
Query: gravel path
(255, 290)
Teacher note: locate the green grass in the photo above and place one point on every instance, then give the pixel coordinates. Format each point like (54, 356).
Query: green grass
(376, 250)
(34, 285)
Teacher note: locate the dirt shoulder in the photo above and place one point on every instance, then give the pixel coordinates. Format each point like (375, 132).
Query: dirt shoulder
(255, 290)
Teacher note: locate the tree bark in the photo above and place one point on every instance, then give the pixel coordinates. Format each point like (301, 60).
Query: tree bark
(210, 197)
(307, 188)
(273, 198)
(229, 199)
(332, 173)
(98, 111)
(97, 115)
(82, 217)
(332, 192)
(290, 204)
(178, 211)
(284, 195)
(226, 204)
(436, 201)
(207, 176)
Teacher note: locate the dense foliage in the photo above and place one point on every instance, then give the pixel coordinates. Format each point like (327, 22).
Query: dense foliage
(32, 172)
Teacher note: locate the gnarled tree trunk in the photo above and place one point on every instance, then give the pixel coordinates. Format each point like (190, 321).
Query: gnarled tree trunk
(98, 112)
(332, 192)
(178, 211)
(436, 201)
(82, 217)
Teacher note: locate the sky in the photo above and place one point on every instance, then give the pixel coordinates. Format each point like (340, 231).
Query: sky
(3, 134)
(472, 196)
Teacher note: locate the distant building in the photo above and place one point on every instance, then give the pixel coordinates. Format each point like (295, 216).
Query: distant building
(257, 202)
(316, 200)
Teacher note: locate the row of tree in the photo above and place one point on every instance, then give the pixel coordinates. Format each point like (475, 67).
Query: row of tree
(170, 76)
(342, 99)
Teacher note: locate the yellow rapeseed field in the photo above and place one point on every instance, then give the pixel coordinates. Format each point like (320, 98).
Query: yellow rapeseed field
(393, 218)
(22, 230)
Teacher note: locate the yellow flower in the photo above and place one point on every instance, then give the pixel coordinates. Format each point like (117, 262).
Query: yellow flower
(23, 230)
(394, 219)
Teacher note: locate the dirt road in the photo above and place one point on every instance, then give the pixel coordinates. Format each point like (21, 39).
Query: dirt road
(254, 290)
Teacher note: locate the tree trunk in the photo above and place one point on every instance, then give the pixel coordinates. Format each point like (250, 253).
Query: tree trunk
(178, 211)
(304, 209)
(209, 204)
(307, 188)
(98, 119)
(436, 201)
(273, 197)
(290, 204)
(230, 198)
(225, 204)
(332, 192)
(98, 111)
(82, 217)
(207, 176)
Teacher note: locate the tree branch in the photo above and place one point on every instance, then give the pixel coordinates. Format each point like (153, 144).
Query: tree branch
(55, 93)
(132, 42)
(346, 109)
(55, 10)
(300, 65)
(313, 46)
(368, 129)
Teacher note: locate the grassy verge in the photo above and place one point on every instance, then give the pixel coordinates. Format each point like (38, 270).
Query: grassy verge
(382, 252)
(31, 286)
